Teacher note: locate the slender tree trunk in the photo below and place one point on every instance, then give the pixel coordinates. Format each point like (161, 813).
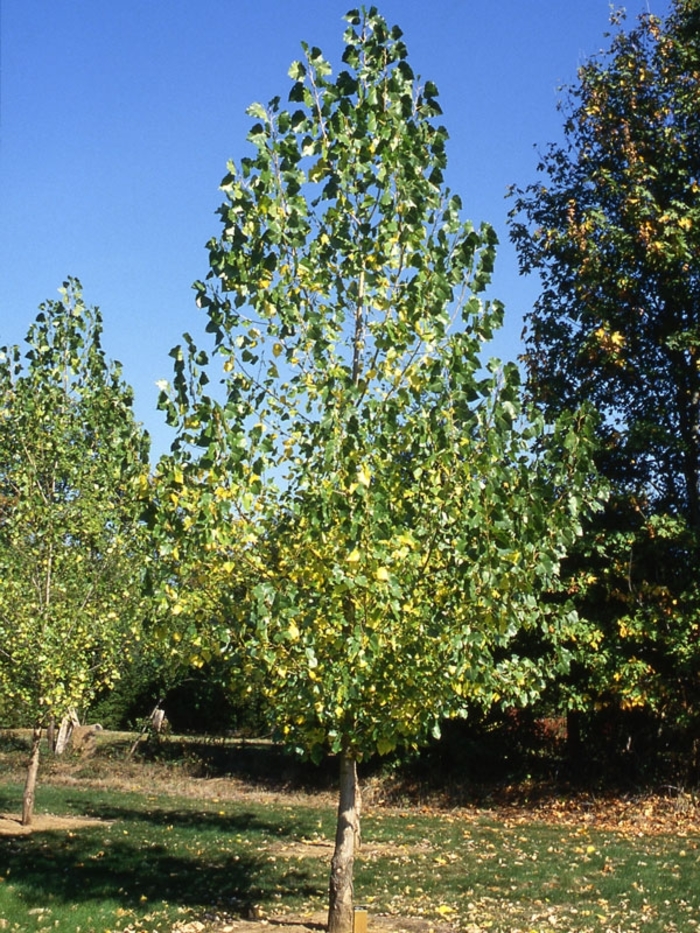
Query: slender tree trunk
(30, 785)
(51, 734)
(340, 900)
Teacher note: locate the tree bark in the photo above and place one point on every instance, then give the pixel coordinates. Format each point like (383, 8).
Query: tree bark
(574, 747)
(68, 723)
(30, 785)
(340, 900)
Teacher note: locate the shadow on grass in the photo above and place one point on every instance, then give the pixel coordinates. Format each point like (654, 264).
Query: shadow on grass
(99, 863)
(182, 819)
(261, 763)
(189, 857)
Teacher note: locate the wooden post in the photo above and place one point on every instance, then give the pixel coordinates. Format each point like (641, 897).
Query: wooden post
(359, 920)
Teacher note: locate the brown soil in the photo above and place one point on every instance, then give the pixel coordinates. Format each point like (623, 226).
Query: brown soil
(11, 823)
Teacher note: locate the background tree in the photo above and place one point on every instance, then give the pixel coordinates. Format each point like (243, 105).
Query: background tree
(374, 516)
(72, 548)
(613, 230)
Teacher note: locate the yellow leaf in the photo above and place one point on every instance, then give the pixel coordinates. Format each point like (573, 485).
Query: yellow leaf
(364, 476)
(354, 557)
(382, 574)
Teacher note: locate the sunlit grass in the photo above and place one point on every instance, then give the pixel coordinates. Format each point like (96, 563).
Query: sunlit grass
(527, 876)
(157, 858)
(152, 861)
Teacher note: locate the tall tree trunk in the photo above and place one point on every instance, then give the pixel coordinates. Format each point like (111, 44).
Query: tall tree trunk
(340, 900)
(30, 785)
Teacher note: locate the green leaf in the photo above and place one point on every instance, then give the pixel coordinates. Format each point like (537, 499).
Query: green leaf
(258, 111)
(296, 72)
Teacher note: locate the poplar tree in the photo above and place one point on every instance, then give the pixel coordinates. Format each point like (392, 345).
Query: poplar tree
(369, 515)
(73, 461)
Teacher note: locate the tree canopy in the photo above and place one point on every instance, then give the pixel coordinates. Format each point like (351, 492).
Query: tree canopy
(72, 547)
(613, 229)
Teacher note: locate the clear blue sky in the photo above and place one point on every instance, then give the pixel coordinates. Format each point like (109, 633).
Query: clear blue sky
(117, 119)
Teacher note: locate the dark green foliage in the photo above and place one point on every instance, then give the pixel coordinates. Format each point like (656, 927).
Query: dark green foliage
(613, 229)
(195, 701)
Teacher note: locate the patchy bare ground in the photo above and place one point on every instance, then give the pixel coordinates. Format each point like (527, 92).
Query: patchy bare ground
(11, 823)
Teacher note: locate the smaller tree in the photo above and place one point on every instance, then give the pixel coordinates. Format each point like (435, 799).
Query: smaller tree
(72, 546)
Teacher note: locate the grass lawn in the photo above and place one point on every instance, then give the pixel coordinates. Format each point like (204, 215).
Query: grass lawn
(174, 853)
